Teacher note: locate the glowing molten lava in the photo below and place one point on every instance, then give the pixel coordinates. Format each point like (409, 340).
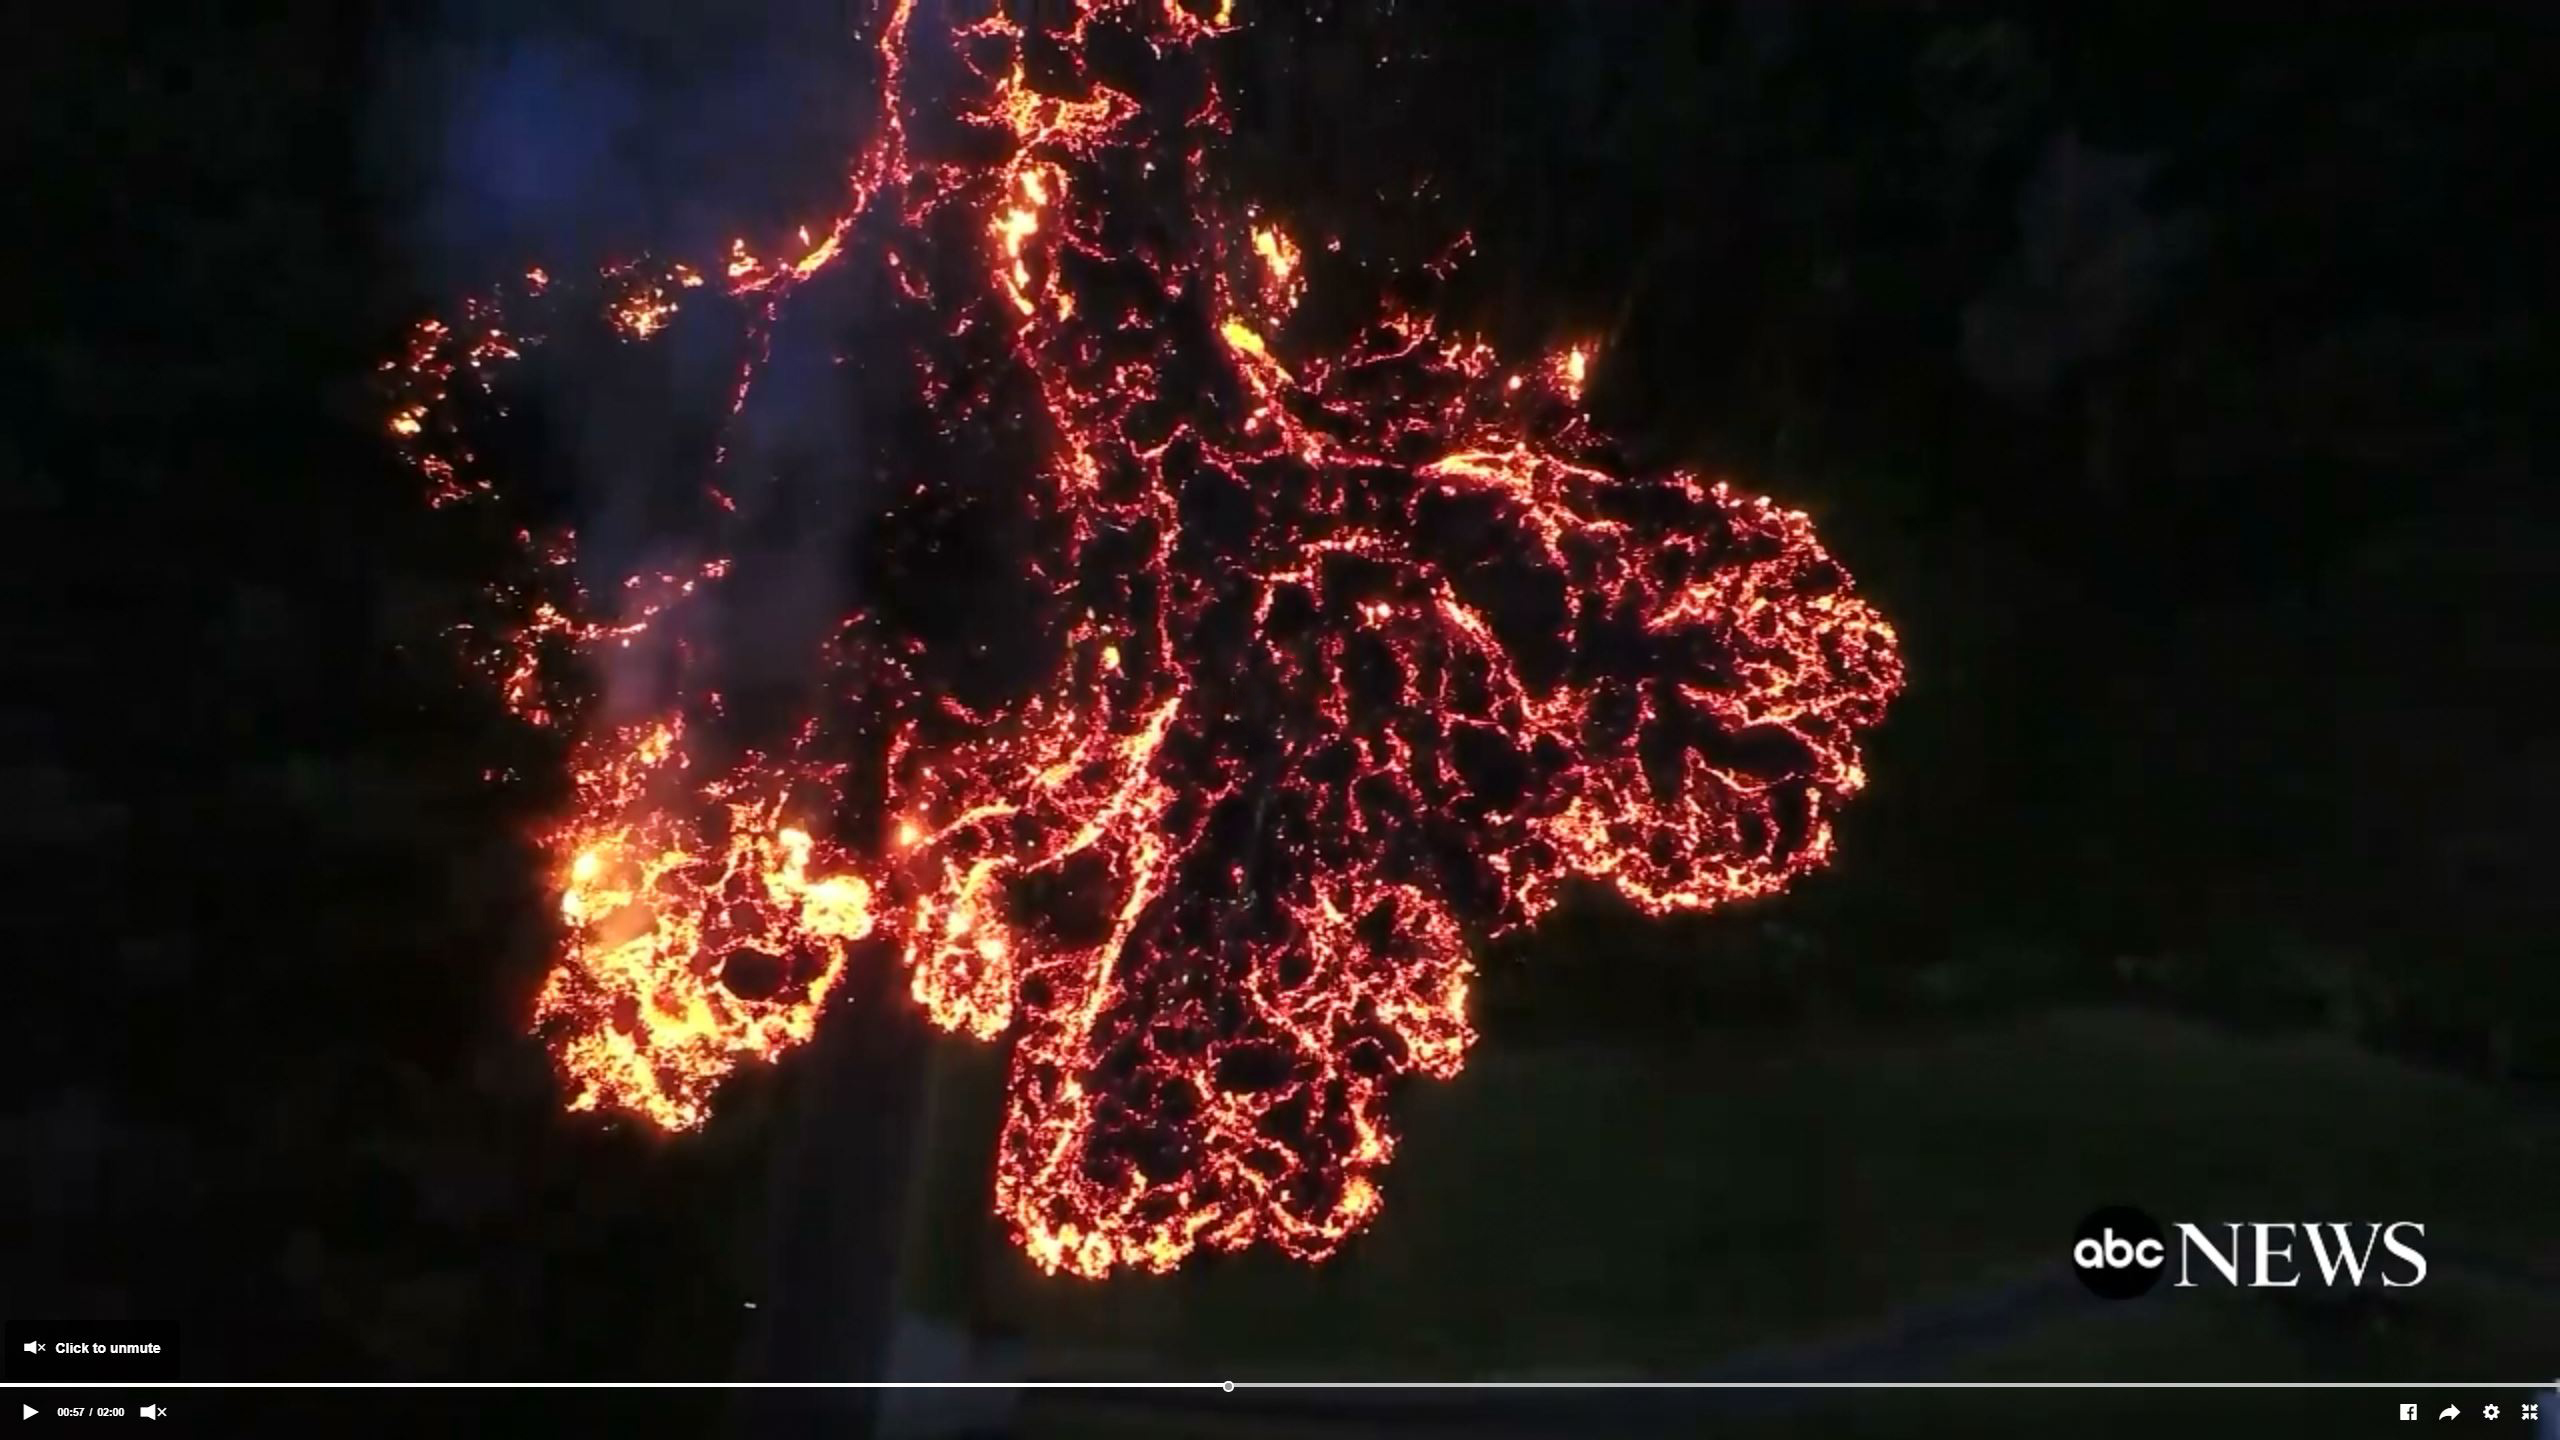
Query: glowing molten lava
(670, 913)
(1350, 658)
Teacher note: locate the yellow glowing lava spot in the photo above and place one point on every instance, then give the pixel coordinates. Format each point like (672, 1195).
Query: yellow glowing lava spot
(1282, 281)
(1572, 368)
(1242, 337)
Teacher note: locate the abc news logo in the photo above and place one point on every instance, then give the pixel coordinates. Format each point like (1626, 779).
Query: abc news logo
(2121, 1252)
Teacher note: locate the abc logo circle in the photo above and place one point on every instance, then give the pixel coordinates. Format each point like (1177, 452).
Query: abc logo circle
(2119, 1252)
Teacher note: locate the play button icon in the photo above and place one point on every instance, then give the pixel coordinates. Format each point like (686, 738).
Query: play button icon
(30, 1412)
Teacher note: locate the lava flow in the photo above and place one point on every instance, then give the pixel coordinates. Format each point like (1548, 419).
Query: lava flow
(1342, 661)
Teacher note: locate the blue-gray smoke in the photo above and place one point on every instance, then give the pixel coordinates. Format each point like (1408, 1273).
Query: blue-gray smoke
(511, 134)
(509, 137)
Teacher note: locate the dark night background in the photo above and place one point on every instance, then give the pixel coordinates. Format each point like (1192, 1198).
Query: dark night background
(2170, 379)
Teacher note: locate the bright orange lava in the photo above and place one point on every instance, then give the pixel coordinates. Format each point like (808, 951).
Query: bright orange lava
(651, 894)
(1355, 659)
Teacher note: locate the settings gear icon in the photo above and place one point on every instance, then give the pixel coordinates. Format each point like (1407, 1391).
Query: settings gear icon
(2488, 1412)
